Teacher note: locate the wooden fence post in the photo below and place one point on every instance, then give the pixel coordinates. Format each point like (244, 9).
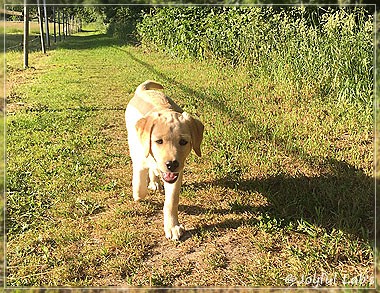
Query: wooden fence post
(67, 25)
(59, 24)
(41, 27)
(72, 25)
(46, 24)
(26, 35)
(54, 22)
(63, 24)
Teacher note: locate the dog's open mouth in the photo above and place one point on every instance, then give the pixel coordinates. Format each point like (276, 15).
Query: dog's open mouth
(169, 177)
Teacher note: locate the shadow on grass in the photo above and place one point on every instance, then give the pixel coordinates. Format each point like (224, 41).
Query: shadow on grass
(14, 42)
(91, 41)
(343, 199)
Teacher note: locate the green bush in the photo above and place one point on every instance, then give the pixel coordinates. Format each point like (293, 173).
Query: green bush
(121, 22)
(313, 51)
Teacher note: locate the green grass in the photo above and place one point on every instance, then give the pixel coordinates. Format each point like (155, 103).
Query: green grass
(284, 187)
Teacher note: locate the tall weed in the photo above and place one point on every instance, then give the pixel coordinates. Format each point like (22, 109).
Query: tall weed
(314, 52)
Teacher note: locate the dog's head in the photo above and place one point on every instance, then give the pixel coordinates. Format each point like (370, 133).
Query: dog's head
(169, 137)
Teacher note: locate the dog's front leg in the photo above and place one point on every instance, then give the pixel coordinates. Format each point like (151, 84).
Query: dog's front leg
(173, 230)
(139, 183)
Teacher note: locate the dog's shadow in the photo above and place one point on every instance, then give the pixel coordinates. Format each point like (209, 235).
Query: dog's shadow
(343, 200)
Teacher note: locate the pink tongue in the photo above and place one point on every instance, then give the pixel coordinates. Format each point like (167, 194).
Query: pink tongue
(170, 176)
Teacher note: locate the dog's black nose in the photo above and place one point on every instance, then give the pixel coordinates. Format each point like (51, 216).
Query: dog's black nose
(172, 165)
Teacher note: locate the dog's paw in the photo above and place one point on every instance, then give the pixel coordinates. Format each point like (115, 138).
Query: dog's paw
(153, 186)
(175, 233)
(156, 186)
(139, 196)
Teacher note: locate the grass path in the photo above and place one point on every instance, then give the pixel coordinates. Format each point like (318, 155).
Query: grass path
(284, 189)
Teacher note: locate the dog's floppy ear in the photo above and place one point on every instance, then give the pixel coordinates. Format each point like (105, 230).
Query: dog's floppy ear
(196, 129)
(144, 128)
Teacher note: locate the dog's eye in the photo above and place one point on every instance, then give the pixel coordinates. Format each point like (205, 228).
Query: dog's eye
(183, 142)
(159, 141)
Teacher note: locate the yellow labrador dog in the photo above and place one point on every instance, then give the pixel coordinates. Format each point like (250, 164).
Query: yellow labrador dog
(160, 137)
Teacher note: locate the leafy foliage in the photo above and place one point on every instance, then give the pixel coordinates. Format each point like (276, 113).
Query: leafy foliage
(121, 21)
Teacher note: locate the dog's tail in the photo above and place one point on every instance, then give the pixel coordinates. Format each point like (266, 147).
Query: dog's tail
(149, 85)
